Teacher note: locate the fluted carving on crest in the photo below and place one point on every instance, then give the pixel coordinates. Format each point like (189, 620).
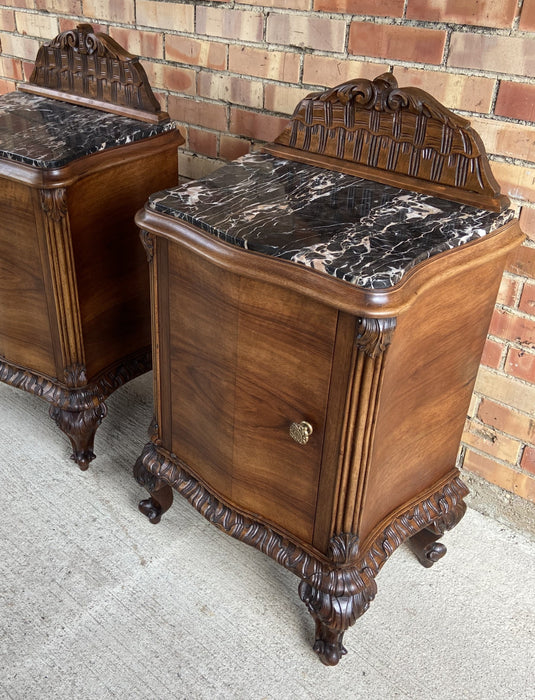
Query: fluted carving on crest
(81, 65)
(395, 135)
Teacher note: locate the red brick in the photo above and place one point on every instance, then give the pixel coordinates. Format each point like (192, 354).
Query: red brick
(517, 181)
(527, 300)
(456, 91)
(68, 7)
(30, 24)
(139, 42)
(521, 364)
(326, 71)
(230, 24)
(208, 54)
(232, 147)
(202, 142)
(501, 475)
(527, 18)
(508, 292)
(304, 31)
(168, 77)
(229, 88)
(492, 354)
(528, 459)
(522, 261)
(11, 68)
(198, 112)
(506, 138)
(385, 8)
(19, 46)
(278, 98)
(505, 389)
(284, 4)
(255, 125)
(491, 442)
(503, 54)
(7, 21)
(396, 42)
(276, 65)
(527, 222)
(483, 13)
(115, 10)
(6, 86)
(516, 100)
(507, 420)
(165, 15)
(513, 327)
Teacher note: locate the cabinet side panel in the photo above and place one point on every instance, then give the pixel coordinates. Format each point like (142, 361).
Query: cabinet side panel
(203, 319)
(430, 371)
(25, 336)
(111, 266)
(286, 346)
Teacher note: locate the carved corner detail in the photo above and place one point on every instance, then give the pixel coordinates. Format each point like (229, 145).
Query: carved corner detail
(374, 335)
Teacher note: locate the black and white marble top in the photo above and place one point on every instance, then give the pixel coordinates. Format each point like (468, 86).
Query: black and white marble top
(48, 133)
(359, 231)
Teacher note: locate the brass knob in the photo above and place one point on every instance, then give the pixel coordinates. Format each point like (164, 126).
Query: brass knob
(300, 432)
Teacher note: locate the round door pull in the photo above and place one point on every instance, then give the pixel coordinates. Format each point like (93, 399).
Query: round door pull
(300, 432)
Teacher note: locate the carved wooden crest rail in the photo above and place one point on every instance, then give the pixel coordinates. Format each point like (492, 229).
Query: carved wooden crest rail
(400, 136)
(88, 67)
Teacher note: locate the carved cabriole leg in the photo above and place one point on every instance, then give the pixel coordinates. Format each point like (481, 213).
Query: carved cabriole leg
(77, 411)
(80, 427)
(339, 598)
(424, 544)
(161, 494)
(337, 589)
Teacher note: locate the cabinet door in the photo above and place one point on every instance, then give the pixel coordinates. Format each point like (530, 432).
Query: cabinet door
(247, 359)
(284, 356)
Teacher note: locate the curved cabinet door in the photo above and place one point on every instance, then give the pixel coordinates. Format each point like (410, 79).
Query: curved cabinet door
(248, 359)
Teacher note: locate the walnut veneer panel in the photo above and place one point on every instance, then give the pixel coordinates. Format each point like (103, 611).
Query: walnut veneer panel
(25, 334)
(229, 355)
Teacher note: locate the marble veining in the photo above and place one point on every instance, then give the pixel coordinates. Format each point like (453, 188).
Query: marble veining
(354, 229)
(48, 133)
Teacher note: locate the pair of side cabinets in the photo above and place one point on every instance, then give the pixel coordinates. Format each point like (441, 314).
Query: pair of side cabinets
(311, 416)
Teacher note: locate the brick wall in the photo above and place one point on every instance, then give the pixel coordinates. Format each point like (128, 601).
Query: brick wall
(231, 72)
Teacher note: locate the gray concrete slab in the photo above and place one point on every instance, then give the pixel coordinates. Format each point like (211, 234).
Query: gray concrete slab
(95, 602)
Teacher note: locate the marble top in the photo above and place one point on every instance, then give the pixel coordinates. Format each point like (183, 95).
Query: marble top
(354, 229)
(48, 133)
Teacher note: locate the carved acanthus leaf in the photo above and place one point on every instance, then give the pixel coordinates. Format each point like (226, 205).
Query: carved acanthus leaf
(374, 335)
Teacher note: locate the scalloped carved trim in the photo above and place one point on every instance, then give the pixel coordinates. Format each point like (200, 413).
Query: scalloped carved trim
(347, 572)
(403, 132)
(336, 590)
(76, 399)
(93, 67)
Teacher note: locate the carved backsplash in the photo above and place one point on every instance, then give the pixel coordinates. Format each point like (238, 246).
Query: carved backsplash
(401, 131)
(91, 68)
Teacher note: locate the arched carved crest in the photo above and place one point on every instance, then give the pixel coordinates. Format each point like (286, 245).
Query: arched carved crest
(399, 136)
(90, 68)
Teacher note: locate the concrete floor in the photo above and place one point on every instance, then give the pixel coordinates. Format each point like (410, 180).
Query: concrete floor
(95, 602)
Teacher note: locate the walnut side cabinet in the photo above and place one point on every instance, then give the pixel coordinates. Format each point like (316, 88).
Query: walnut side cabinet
(315, 419)
(83, 145)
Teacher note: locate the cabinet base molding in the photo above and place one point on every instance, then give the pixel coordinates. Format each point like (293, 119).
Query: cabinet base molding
(78, 410)
(337, 589)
